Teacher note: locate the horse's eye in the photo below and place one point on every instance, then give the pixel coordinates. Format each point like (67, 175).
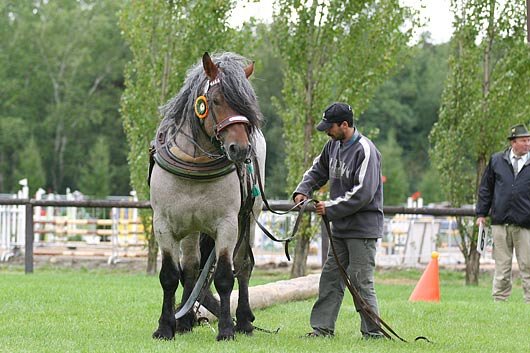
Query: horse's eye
(216, 101)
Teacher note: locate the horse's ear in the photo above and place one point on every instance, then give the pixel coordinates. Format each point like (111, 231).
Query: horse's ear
(210, 68)
(249, 69)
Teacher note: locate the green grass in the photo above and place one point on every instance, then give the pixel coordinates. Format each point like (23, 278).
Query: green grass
(102, 311)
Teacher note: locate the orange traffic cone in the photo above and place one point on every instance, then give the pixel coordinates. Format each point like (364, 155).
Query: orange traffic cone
(428, 287)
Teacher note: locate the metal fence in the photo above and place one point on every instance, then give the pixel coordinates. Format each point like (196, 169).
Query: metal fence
(25, 218)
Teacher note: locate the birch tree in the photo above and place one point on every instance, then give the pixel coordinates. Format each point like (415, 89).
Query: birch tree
(332, 51)
(166, 39)
(487, 91)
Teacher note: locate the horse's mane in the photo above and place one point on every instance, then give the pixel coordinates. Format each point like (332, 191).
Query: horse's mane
(236, 88)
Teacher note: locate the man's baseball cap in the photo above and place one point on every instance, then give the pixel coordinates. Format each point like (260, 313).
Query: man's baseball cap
(335, 113)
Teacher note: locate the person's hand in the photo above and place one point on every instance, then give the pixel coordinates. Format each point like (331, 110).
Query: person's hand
(299, 198)
(481, 221)
(320, 208)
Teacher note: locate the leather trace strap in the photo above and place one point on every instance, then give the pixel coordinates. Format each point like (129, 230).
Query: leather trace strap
(202, 282)
(360, 304)
(301, 206)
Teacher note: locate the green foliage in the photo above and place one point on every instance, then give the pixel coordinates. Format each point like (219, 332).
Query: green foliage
(166, 38)
(408, 103)
(305, 34)
(430, 187)
(30, 167)
(268, 81)
(331, 51)
(95, 176)
(395, 188)
(486, 92)
(62, 67)
(13, 134)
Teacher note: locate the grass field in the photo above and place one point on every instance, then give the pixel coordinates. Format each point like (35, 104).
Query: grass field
(103, 311)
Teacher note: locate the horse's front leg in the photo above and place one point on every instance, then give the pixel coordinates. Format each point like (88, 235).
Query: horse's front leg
(169, 279)
(224, 278)
(243, 268)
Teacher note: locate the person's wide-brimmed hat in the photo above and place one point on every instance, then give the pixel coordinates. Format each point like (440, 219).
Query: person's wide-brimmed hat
(518, 131)
(335, 113)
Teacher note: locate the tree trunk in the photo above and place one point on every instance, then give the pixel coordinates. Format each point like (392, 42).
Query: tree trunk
(152, 246)
(300, 257)
(472, 267)
(468, 248)
(152, 255)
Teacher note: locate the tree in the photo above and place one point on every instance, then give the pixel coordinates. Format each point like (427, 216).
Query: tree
(409, 103)
(166, 38)
(268, 82)
(62, 75)
(13, 134)
(430, 187)
(331, 51)
(95, 175)
(395, 188)
(487, 88)
(29, 166)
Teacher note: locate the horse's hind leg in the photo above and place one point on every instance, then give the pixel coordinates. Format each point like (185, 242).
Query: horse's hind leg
(206, 245)
(243, 267)
(169, 279)
(224, 283)
(190, 270)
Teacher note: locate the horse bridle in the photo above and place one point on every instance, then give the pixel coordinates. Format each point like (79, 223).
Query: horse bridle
(202, 111)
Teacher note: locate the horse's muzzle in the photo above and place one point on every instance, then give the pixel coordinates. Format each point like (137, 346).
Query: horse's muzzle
(237, 153)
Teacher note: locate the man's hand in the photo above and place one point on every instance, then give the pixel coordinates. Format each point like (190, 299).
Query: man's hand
(320, 208)
(299, 198)
(481, 220)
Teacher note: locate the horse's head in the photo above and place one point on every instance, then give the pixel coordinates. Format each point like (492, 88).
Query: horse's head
(222, 117)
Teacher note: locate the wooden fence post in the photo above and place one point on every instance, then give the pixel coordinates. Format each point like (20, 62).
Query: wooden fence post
(28, 258)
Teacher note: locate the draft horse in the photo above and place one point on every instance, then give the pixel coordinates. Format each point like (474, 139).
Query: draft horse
(209, 134)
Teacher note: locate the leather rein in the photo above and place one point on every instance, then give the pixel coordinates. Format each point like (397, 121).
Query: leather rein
(360, 304)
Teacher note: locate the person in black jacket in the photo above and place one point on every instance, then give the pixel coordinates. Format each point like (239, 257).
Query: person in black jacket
(352, 165)
(504, 194)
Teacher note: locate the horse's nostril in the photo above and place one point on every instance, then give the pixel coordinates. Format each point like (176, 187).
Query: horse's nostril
(232, 148)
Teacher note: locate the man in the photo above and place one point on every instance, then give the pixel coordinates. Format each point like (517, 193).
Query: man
(352, 165)
(504, 194)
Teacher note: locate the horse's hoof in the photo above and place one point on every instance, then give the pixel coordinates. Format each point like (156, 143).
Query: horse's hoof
(183, 330)
(225, 337)
(185, 324)
(247, 329)
(165, 335)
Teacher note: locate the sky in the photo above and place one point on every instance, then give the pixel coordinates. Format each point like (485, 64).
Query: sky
(435, 13)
